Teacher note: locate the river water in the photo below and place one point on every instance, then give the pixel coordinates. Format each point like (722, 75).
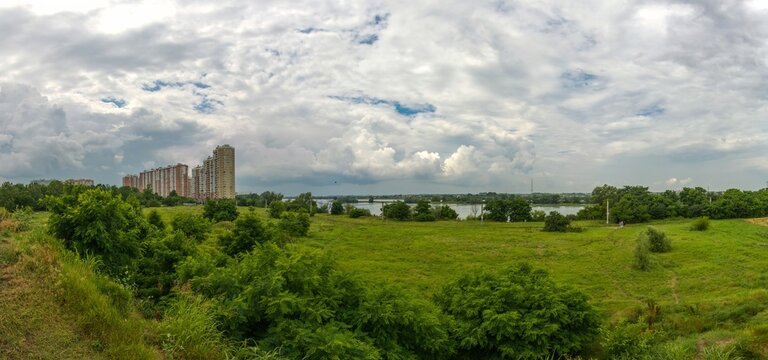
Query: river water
(463, 210)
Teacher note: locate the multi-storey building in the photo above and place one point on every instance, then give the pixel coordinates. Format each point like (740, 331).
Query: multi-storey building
(215, 178)
(131, 181)
(162, 181)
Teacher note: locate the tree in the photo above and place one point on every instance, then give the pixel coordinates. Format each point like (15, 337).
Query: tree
(513, 209)
(248, 231)
(517, 314)
(276, 209)
(220, 210)
(630, 209)
(154, 219)
(157, 268)
(294, 224)
(96, 222)
(192, 225)
(556, 222)
(397, 210)
(445, 212)
(337, 208)
(423, 211)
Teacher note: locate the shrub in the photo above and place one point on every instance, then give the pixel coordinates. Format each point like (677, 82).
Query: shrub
(538, 215)
(153, 218)
(657, 240)
(247, 232)
(99, 223)
(188, 331)
(294, 224)
(445, 212)
(626, 341)
(157, 268)
(276, 208)
(423, 211)
(337, 208)
(397, 210)
(192, 225)
(643, 253)
(556, 222)
(356, 212)
(700, 224)
(517, 314)
(220, 210)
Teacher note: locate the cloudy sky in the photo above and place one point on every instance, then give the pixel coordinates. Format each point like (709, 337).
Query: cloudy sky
(376, 97)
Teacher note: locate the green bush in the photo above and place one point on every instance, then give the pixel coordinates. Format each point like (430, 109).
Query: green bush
(154, 219)
(643, 253)
(294, 224)
(556, 222)
(99, 223)
(22, 218)
(247, 232)
(700, 224)
(517, 314)
(356, 213)
(626, 341)
(397, 210)
(337, 208)
(538, 215)
(445, 212)
(276, 208)
(192, 225)
(220, 210)
(157, 268)
(657, 240)
(423, 211)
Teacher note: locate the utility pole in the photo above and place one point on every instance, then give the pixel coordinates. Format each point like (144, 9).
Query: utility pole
(607, 210)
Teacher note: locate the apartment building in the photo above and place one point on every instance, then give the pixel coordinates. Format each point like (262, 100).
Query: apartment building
(162, 180)
(131, 181)
(215, 178)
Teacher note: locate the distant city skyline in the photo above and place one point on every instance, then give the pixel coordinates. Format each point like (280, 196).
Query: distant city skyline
(387, 97)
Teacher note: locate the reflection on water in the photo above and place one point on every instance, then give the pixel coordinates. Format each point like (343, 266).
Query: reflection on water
(463, 210)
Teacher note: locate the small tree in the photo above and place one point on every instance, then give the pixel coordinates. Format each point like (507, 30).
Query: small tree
(294, 224)
(220, 210)
(276, 208)
(247, 232)
(643, 253)
(538, 215)
(518, 314)
(337, 208)
(556, 222)
(191, 225)
(445, 212)
(423, 211)
(357, 212)
(397, 210)
(154, 219)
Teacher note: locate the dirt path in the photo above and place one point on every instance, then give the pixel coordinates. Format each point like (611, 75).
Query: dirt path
(673, 286)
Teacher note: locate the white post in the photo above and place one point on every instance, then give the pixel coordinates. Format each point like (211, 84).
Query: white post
(607, 211)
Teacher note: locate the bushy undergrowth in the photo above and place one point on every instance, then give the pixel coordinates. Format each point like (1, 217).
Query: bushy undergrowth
(658, 241)
(642, 255)
(700, 224)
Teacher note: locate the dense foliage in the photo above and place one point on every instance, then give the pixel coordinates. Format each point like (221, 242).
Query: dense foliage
(294, 224)
(96, 222)
(357, 212)
(192, 225)
(423, 211)
(556, 222)
(518, 314)
(220, 210)
(658, 241)
(248, 230)
(397, 210)
(337, 207)
(445, 212)
(508, 209)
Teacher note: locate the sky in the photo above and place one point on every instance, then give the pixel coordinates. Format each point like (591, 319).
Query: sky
(390, 97)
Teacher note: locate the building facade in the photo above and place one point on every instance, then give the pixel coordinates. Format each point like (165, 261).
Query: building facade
(84, 182)
(215, 178)
(131, 181)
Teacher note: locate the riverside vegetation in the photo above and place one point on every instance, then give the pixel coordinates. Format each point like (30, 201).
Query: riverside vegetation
(170, 282)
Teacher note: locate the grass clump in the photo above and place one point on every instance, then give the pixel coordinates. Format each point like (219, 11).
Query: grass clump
(642, 256)
(188, 331)
(658, 241)
(700, 224)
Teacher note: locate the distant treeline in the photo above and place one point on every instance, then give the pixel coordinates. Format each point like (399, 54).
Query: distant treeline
(634, 204)
(13, 196)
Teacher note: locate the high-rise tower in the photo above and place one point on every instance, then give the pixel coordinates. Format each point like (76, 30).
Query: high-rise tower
(224, 170)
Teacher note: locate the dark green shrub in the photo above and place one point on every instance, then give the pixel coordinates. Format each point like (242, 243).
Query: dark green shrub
(248, 231)
(657, 240)
(276, 208)
(96, 222)
(294, 224)
(538, 215)
(157, 268)
(154, 219)
(356, 212)
(517, 314)
(423, 211)
(192, 225)
(556, 222)
(220, 210)
(22, 217)
(337, 208)
(445, 212)
(397, 210)
(700, 224)
(626, 341)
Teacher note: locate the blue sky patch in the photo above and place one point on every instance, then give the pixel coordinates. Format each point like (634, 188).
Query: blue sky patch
(400, 108)
(207, 106)
(652, 111)
(578, 79)
(380, 19)
(120, 103)
(368, 39)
